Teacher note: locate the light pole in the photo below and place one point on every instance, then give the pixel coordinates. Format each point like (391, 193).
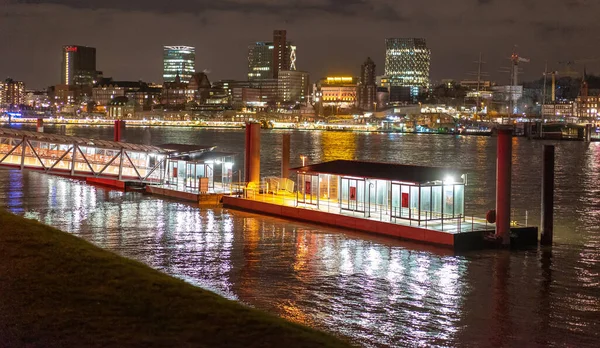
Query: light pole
(303, 160)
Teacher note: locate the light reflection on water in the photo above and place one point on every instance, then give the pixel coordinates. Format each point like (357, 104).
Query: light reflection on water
(379, 292)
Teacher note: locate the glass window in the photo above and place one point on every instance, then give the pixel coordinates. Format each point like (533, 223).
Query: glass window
(414, 202)
(396, 200)
(449, 201)
(436, 201)
(459, 200)
(405, 202)
(426, 202)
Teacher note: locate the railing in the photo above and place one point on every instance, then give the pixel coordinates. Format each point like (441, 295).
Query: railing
(375, 212)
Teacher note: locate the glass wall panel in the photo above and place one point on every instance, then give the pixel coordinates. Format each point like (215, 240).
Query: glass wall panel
(405, 202)
(353, 194)
(381, 187)
(396, 197)
(426, 202)
(459, 200)
(414, 202)
(436, 201)
(448, 200)
(307, 188)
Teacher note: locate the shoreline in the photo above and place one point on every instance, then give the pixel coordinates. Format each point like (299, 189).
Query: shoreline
(52, 279)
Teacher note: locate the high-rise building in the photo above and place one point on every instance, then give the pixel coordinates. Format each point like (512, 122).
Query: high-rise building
(281, 55)
(407, 64)
(179, 61)
(266, 59)
(293, 86)
(367, 87)
(13, 93)
(2, 96)
(78, 66)
(260, 61)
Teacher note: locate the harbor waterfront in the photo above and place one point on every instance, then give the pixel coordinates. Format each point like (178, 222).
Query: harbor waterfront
(376, 291)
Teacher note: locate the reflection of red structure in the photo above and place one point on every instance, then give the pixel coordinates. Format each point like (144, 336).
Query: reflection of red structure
(307, 188)
(352, 193)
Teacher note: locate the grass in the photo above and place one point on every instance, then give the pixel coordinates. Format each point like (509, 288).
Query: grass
(57, 290)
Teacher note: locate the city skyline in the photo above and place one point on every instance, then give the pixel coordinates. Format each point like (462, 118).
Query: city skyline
(456, 39)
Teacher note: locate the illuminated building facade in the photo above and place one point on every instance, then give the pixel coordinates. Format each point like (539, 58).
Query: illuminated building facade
(12, 93)
(407, 62)
(367, 87)
(36, 99)
(588, 107)
(139, 93)
(2, 96)
(78, 66)
(179, 61)
(559, 111)
(269, 89)
(335, 94)
(266, 59)
(293, 86)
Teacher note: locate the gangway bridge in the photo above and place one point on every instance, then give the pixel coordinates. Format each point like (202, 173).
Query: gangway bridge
(81, 157)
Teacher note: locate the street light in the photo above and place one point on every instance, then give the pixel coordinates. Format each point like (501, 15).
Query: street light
(303, 159)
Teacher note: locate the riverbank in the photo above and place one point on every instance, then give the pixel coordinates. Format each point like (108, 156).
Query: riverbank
(59, 290)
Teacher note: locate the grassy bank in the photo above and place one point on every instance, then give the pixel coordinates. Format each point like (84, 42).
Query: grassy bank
(59, 290)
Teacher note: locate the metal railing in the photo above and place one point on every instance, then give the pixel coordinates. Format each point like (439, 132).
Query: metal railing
(375, 212)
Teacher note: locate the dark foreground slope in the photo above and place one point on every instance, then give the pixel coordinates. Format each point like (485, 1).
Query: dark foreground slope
(59, 290)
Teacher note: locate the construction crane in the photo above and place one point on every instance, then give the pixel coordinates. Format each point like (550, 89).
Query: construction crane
(516, 59)
(514, 78)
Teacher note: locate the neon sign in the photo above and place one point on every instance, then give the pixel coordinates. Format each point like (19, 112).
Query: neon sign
(71, 48)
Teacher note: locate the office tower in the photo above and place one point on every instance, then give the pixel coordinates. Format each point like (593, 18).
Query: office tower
(407, 62)
(179, 61)
(293, 86)
(367, 87)
(78, 66)
(281, 54)
(266, 59)
(260, 61)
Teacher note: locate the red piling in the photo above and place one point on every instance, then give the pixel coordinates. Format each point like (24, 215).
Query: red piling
(503, 185)
(117, 130)
(252, 158)
(40, 125)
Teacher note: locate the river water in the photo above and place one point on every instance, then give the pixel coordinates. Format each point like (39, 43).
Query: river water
(378, 292)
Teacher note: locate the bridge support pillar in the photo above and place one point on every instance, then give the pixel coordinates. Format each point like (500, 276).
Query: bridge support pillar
(285, 156)
(252, 154)
(503, 185)
(40, 125)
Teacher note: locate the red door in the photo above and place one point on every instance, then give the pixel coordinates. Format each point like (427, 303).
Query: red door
(404, 200)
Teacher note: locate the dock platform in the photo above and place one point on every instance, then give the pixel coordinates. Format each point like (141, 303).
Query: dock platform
(463, 234)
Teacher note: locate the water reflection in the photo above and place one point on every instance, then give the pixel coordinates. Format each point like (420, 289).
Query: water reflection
(379, 292)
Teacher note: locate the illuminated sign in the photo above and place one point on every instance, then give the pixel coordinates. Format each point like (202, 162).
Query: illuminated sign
(71, 49)
(339, 79)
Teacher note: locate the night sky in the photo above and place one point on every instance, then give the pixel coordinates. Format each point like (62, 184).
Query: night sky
(333, 36)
